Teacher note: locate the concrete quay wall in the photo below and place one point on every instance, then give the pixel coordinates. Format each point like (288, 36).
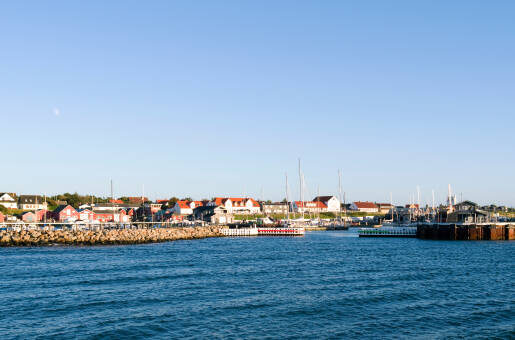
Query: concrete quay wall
(38, 237)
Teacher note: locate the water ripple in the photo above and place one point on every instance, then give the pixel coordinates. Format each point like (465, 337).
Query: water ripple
(324, 285)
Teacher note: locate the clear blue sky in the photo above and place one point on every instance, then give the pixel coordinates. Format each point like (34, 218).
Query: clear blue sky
(205, 98)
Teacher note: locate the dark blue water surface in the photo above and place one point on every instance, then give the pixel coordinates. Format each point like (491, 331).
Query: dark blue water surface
(323, 285)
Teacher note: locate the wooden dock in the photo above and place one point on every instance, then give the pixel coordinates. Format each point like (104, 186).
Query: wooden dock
(472, 232)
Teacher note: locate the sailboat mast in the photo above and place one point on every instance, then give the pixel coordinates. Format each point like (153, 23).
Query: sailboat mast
(300, 190)
(287, 200)
(318, 203)
(340, 195)
(303, 198)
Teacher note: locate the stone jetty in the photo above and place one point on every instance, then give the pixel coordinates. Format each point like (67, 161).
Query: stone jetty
(39, 237)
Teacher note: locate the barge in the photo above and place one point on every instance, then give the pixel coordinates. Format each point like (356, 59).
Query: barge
(264, 231)
(388, 232)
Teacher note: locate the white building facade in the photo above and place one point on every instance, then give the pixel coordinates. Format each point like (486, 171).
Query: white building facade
(8, 201)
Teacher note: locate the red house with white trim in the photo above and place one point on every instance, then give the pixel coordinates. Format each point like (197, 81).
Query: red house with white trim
(86, 215)
(65, 213)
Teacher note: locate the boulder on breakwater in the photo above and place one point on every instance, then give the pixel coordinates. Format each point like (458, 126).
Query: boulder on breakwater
(38, 237)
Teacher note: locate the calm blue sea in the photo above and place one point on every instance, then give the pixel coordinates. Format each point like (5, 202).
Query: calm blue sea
(323, 285)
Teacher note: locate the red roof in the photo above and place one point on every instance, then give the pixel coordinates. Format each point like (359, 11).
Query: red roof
(220, 200)
(162, 201)
(365, 205)
(237, 201)
(137, 199)
(116, 201)
(312, 204)
(412, 206)
(183, 204)
(187, 204)
(384, 205)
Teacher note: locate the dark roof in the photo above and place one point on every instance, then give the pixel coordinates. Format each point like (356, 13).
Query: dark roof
(467, 202)
(13, 196)
(322, 198)
(107, 211)
(61, 208)
(384, 204)
(207, 208)
(204, 208)
(116, 205)
(24, 199)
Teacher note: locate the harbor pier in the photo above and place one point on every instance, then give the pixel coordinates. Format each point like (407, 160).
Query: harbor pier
(472, 232)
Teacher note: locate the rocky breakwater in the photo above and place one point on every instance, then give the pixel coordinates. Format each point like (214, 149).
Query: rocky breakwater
(104, 236)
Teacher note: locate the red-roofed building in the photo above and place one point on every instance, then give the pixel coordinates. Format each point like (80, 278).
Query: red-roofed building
(384, 207)
(40, 214)
(116, 201)
(364, 207)
(28, 216)
(86, 215)
(137, 200)
(186, 207)
(238, 205)
(65, 213)
(311, 206)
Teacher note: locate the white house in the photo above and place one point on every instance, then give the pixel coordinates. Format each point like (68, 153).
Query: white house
(31, 202)
(364, 207)
(237, 205)
(331, 202)
(313, 206)
(8, 201)
(186, 207)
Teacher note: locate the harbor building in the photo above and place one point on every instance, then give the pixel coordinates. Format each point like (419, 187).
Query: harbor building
(384, 208)
(213, 214)
(8, 200)
(331, 202)
(274, 208)
(312, 206)
(31, 202)
(364, 207)
(468, 212)
(65, 213)
(184, 207)
(237, 205)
